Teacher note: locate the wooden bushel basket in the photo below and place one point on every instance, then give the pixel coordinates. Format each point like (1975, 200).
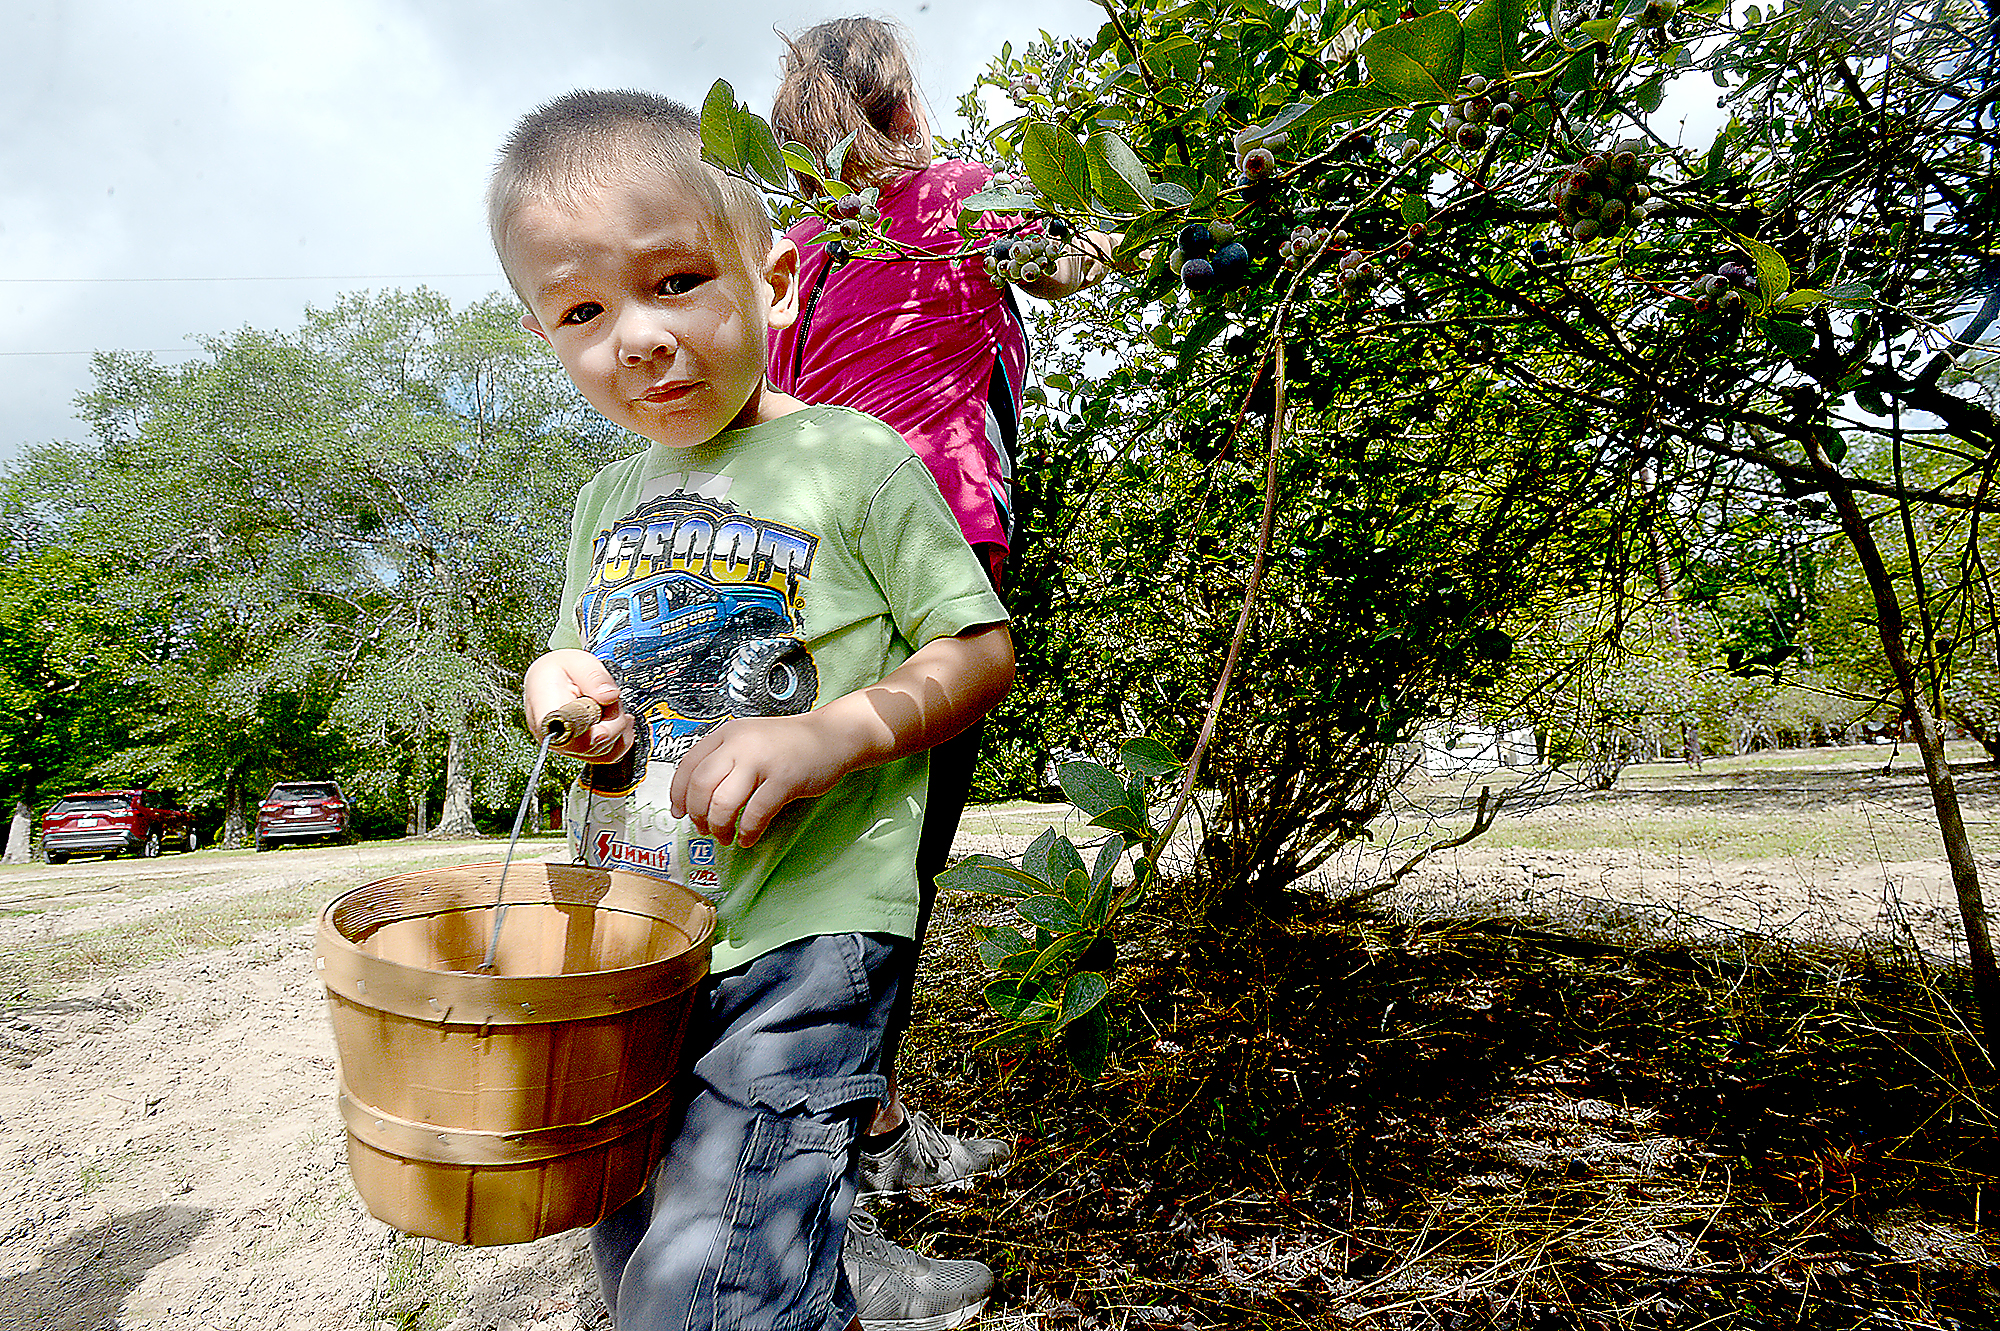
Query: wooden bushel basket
(501, 1106)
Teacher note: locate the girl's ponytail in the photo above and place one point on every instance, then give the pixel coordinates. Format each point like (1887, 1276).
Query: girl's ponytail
(850, 76)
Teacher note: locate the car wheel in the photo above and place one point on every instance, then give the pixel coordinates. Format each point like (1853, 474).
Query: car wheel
(262, 844)
(771, 677)
(150, 848)
(57, 857)
(194, 840)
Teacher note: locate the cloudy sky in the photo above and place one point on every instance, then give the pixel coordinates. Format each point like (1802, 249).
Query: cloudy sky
(187, 167)
(181, 168)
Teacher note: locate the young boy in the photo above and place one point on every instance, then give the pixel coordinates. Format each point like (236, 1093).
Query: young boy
(780, 617)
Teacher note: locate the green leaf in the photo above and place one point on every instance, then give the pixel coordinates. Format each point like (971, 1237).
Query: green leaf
(1174, 57)
(1014, 998)
(836, 157)
(1835, 444)
(1148, 757)
(993, 877)
(1122, 818)
(1599, 29)
(1415, 208)
(1083, 993)
(1714, 170)
(1087, 1043)
(999, 943)
(719, 140)
(1791, 338)
(1774, 275)
(1199, 336)
(1076, 890)
(1649, 93)
(1035, 859)
(1851, 296)
(1350, 103)
(1493, 37)
(1798, 298)
(1058, 951)
(1108, 856)
(1580, 71)
(800, 159)
(1063, 861)
(1057, 164)
(1090, 786)
(1418, 61)
(1117, 177)
(1052, 913)
(1172, 195)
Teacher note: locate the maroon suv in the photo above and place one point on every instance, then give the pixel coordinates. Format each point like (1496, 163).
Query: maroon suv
(116, 822)
(301, 811)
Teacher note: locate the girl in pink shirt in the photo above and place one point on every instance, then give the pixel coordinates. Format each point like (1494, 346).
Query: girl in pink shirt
(931, 346)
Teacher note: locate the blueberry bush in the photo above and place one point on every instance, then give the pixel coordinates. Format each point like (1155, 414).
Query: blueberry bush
(1442, 361)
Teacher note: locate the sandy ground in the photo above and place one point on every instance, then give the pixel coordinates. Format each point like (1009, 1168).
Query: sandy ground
(170, 1154)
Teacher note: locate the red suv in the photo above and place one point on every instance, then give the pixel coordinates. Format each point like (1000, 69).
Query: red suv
(301, 811)
(113, 822)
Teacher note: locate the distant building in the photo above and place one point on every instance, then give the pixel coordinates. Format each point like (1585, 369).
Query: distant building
(1450, 750)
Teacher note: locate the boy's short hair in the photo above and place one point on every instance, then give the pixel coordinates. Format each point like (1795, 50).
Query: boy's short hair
(584, 139)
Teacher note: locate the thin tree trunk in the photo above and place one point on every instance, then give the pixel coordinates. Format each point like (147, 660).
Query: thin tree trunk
(1930, 743)
(232, 819)
(20, 828)
(1670, 601)
(457, 817)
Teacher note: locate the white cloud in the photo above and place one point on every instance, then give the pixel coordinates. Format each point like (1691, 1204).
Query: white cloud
(246, 159)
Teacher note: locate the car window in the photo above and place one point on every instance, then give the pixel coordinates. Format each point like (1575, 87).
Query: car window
(91, 804)
(305, 790)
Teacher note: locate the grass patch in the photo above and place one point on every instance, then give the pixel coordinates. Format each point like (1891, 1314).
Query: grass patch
(42, 970)
(419, 1287)
(39, 971)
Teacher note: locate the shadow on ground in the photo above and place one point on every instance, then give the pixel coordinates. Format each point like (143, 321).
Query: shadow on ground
(84, 1280)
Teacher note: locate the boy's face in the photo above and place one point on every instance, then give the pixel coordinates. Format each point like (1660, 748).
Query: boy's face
(649, 304)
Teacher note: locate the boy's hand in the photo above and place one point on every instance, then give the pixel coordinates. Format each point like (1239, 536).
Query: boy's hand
(736, 777)
(732, 783)
(559, 677)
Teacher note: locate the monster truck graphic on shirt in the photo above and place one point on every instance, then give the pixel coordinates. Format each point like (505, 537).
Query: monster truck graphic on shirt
(693, 609)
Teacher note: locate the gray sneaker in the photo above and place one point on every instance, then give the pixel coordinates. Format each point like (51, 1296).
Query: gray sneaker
(899, 1290)
(928, 1158)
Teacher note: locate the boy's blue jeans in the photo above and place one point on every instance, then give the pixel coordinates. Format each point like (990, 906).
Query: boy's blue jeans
(742, 1225)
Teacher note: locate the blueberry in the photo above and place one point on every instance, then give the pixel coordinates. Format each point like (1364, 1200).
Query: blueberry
(1231, 266)
(1198, 275)
(1195, 239)
(1002, 247)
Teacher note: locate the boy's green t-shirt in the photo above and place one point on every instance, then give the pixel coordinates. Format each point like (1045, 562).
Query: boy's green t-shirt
(767, 571)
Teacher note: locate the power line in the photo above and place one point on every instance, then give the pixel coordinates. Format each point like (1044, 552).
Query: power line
(306, 277)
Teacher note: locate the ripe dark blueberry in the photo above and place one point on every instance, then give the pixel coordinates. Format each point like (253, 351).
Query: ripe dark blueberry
(1198, 275)
(1538, 251)
(848, 205)
(1058, 229)
(837, 253)
(1195, 240)
(1231, 266)
(1002, 247)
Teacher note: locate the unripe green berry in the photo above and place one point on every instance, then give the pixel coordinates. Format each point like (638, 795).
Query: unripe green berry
(1258, 163)
(1585, 229)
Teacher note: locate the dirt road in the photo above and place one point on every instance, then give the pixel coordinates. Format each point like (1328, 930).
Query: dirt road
(169, 1150)
(170, 1155)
